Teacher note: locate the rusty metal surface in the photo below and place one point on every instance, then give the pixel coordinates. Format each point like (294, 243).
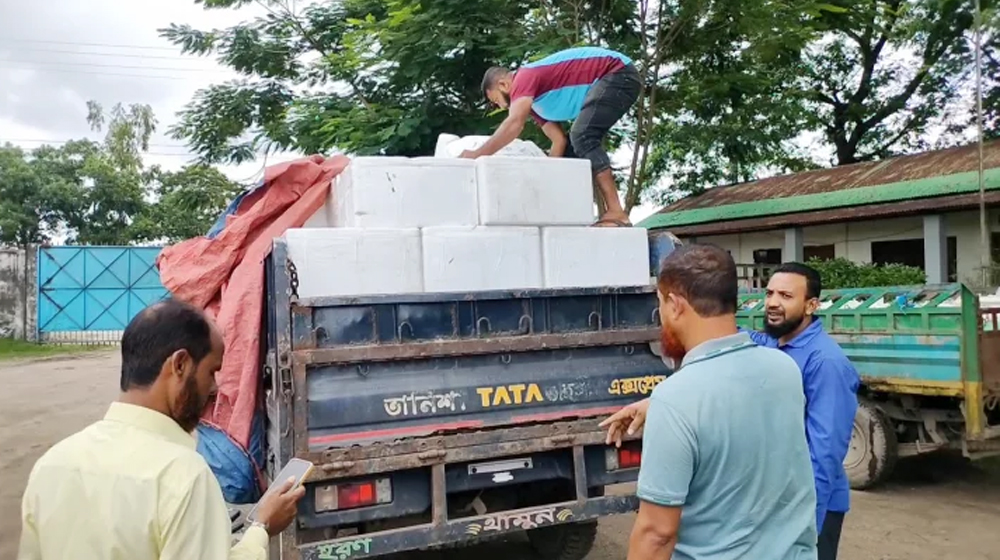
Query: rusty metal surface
(913, 387)
(456, 440)
(439, 496)
(444, 348)
(300, 405)
(905, 168)
(989, 354)
(838, 215)
(580, 468)
(493, 524)
(342, 469)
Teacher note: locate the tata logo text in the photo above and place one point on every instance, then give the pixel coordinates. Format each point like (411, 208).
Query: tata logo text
(520, 393)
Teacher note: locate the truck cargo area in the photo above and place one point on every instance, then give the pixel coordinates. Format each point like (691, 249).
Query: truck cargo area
(440, 418)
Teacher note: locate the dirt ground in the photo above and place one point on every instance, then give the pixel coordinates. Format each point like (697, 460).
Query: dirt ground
(936, 507)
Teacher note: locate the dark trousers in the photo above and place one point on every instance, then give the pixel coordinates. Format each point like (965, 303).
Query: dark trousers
(606, 103)
(829, 537)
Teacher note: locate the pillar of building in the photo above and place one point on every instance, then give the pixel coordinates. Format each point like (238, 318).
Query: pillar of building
(793, 246)
(935, 249)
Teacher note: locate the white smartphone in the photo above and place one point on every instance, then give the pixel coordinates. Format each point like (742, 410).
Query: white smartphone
(297, 468)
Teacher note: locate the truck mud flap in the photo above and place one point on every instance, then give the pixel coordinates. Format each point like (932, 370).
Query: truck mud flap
(424, 536)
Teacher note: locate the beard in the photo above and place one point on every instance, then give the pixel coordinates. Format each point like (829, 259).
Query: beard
(783, 328)
(671, 347)
(191, 406)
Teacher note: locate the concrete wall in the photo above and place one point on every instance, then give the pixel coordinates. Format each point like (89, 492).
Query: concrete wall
(18, 279)
(852, 240)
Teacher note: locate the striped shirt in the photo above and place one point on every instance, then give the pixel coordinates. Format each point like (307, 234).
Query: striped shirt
(559, 83)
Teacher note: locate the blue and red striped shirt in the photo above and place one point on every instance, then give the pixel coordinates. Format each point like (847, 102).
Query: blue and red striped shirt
(560, 82)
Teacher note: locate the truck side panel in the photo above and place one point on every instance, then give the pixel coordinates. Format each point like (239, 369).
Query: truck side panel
(904, 356)
(413, 398)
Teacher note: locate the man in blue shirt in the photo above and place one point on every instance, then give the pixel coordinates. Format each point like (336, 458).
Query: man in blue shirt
(725, 469)
(830, 384)
(831, 387)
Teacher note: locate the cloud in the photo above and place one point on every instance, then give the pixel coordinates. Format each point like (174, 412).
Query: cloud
(58, 54)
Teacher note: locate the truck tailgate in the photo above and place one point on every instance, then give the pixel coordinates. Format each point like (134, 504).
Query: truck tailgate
(402, 399)
(385, 368)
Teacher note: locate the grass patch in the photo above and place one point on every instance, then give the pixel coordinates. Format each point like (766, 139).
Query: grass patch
(13, 349)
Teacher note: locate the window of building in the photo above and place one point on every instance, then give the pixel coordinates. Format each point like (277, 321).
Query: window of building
(995, 246)
(767, 256)
(911, 253)
(821, 252)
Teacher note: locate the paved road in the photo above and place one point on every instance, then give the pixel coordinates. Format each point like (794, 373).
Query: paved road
(934, 510)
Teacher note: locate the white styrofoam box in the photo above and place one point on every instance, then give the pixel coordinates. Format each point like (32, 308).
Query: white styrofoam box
(469, 259)
(354, 261)
(406, 192)
(449, 145)
(323, 218)
(534, 191)
(592, 257)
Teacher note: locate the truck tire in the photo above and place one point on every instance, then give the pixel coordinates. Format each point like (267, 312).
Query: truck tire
(563, 542)
(874, 450)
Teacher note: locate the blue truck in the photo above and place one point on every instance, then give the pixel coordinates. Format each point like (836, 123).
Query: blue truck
(438, 419)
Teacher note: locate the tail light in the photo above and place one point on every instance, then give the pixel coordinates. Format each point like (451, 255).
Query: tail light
(628, 456)
(353, 495)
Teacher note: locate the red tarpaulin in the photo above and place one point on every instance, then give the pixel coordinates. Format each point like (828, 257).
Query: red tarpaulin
(225, 276)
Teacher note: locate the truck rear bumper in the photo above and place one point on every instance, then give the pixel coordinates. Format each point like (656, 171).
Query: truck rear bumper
(462, 530)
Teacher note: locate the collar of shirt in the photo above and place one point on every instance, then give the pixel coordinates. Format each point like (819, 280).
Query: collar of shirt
(151, 421)
(716, 347)
(806, 336)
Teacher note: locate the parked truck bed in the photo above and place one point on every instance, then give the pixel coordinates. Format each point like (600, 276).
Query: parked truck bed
(444, 418)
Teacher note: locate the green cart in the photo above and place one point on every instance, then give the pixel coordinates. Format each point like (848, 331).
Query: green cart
(929, 360)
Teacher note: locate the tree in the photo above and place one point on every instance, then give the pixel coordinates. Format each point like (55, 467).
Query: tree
(109, 188)
(99, 193)
(187, 203)
(370, 76)
(387, 76)
(726, 110)
(885, 72)
(990, 42)
(32, 197)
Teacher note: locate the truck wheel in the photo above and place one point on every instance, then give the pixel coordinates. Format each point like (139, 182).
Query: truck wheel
(872, 454)
(563, 542)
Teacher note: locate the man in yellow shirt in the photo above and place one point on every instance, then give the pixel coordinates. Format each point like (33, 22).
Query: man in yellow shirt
(132, 486)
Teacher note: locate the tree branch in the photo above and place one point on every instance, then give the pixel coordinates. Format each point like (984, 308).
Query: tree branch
(870, 56)
(883, 150)
(290, 15)
(645, 123)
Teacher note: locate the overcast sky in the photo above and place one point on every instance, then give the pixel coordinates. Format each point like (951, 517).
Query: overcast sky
(56, 55)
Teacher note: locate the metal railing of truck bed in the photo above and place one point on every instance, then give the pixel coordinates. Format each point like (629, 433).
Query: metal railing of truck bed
(625, 318)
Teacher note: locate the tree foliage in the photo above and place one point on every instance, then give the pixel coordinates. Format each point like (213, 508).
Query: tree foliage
(885, 71)
(731, 89)
(369, 76)
(32, 198)
(100, 193)
(187, 203)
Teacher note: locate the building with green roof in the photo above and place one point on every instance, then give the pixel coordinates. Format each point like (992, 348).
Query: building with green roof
(920, 210)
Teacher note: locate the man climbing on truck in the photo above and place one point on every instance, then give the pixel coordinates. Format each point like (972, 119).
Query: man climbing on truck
(830, 383)
(591, 86)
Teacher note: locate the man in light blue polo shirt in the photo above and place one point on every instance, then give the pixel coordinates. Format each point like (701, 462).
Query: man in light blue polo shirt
(725, 466)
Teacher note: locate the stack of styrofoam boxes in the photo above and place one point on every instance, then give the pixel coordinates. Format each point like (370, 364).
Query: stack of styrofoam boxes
(405, 225)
